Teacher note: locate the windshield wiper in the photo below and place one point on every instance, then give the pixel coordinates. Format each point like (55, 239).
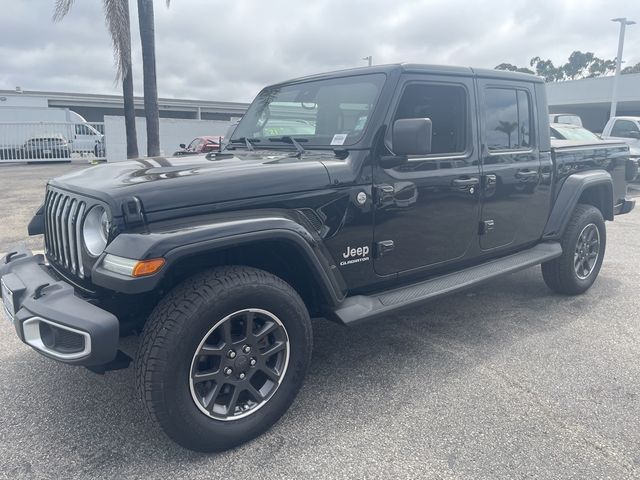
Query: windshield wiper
(293, 141)
(247, 141)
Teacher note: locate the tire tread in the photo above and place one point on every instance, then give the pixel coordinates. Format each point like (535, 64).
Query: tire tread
(171, 312)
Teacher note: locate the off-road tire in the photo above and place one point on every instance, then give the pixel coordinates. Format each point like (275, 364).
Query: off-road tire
(173, 333)
(560, 274)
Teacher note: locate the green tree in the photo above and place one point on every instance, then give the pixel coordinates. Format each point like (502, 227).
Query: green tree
(150, 83)
(512, 68)
(633, 69)
(578, 64)
(600, 67)
(546, 69)
(116, 14)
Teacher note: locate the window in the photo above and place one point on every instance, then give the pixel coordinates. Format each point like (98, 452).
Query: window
(507, 119)
(624, 129)
(326, 112)
(569, 119)
(446, 106)
(571, 132)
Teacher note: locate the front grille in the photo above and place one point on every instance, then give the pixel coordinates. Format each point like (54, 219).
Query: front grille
(63, 230)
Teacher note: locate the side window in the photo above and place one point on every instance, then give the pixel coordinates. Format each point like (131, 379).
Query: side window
(446, 106)
(624, 129)
(507, 119)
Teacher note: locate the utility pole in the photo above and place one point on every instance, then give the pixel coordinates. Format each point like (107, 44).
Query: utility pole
(614, 92)
(368, 59)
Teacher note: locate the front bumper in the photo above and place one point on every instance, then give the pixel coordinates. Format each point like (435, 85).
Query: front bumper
(625, 207)
(48, 315)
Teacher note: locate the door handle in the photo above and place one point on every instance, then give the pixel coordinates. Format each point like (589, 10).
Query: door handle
(465, 182)
(526, 174)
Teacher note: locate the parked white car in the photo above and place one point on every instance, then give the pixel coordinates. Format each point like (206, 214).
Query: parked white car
(625, 129)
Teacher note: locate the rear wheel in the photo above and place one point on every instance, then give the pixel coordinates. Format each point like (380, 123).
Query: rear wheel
(222, 357)
(583, 247)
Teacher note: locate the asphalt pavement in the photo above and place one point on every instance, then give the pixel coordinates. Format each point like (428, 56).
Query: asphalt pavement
(507, 380)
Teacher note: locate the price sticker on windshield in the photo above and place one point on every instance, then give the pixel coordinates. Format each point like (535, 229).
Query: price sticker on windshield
(338, 139)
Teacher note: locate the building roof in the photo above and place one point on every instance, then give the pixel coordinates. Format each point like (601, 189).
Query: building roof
(595, 91)
(56, 99)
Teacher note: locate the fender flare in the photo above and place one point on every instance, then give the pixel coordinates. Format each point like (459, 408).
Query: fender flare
(177, 244)
(567, 199)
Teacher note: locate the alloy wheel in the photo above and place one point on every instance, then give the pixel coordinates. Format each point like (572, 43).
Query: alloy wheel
(239, 364)
(587, 251)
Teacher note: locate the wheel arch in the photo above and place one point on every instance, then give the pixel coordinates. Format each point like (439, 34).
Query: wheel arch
(278, 245)
(594, 187)
(275, 253)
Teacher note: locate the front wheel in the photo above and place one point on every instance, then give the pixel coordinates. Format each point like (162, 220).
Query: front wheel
(223, 356)
(583, 246)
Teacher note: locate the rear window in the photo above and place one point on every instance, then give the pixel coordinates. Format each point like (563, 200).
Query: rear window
(569, 133)
(507, 119)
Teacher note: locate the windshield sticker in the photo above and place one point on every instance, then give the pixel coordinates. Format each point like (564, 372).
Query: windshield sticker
(338, 139)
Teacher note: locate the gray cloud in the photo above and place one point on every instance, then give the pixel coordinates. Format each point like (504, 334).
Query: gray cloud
(229, 50)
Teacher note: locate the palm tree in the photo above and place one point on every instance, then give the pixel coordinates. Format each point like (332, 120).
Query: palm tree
(116, 14)
(507, 128)
(148, 41)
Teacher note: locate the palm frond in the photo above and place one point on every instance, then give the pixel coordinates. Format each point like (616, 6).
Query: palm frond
(116, 14)
(61, 9)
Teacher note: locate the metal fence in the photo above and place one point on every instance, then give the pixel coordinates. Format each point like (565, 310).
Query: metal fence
(51, 141)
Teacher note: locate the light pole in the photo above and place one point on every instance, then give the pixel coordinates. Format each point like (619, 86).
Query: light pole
(369, 59)
(614, 93)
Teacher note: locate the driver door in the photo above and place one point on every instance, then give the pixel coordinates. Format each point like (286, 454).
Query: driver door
(427, 209)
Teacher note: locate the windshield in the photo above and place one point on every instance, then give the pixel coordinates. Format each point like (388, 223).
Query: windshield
(573, 133)
(328, 112)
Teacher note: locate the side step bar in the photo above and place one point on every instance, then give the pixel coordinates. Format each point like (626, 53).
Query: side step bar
(361, 307)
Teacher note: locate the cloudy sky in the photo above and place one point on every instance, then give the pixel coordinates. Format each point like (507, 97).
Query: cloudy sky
(227, 50)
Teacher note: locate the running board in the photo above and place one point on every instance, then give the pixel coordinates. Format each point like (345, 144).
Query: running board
(361, 307)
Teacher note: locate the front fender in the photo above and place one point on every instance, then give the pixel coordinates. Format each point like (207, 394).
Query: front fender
(175, 241)
(567, 199)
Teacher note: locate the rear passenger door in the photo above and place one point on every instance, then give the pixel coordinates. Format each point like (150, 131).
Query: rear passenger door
(515, 200)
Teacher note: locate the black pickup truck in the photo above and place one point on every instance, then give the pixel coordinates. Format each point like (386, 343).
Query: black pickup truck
(347, 195)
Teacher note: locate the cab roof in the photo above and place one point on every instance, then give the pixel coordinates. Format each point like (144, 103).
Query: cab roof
(423, 68)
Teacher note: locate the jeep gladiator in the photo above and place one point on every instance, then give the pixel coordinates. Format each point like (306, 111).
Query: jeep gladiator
(347, 195)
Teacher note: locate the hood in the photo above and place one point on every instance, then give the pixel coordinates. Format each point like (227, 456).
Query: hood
(169, 183)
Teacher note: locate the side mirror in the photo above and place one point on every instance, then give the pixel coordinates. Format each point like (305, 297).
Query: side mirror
(182, 145)
(412, 136)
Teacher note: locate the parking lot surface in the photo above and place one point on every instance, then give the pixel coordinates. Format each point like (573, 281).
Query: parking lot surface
(507, 380)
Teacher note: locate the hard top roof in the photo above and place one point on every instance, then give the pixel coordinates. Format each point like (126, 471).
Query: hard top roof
(423, 68)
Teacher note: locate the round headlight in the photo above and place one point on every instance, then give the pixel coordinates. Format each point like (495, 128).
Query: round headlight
(95, 230)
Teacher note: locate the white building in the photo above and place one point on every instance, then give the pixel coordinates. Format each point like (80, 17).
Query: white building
(591, 98)
(95, 107)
